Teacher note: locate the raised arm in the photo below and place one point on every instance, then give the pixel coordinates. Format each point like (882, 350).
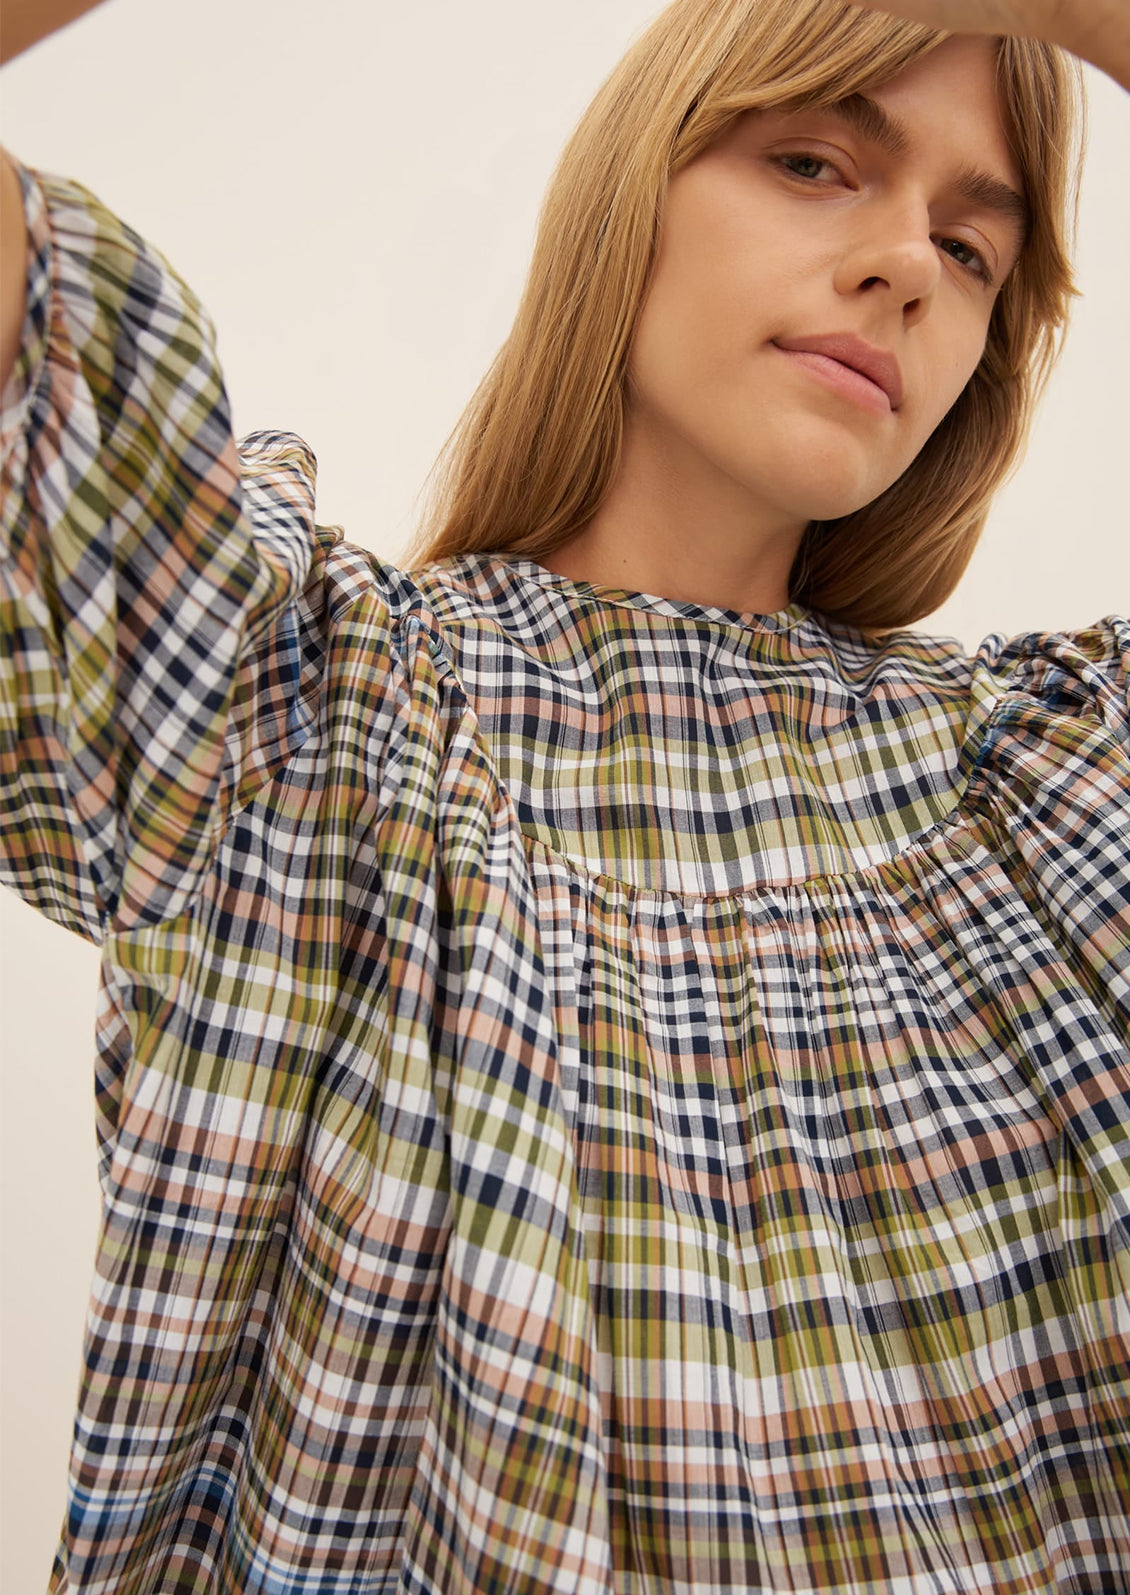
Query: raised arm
(1098, 31)
(148, 568)
(22, 24)
(13, 267)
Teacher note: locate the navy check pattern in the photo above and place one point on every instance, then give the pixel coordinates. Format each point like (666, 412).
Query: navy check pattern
(595, 1093)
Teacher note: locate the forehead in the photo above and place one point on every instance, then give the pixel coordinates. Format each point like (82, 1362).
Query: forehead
(945, 110)
(950, 99)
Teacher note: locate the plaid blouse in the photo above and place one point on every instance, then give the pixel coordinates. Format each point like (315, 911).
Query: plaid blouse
(595, 1093)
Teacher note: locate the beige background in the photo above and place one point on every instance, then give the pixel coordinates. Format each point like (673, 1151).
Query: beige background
(352, 190)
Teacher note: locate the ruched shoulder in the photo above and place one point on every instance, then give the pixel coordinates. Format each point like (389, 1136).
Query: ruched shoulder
(1050, 790)
(1082, 675)
(1050, 759)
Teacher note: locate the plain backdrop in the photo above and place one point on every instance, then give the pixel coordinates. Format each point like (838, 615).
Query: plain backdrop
(352, 189)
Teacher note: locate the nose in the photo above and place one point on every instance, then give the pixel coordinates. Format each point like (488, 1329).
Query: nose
(891, 253)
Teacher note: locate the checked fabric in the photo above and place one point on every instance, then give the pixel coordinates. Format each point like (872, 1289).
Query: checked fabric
(594, 1093)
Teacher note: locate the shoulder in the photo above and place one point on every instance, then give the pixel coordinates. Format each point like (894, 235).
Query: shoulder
(1085, 671)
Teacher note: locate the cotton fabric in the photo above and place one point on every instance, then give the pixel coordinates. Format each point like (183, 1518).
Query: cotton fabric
(594, 1093)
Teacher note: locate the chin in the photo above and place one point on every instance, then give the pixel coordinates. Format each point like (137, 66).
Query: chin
(827, 488)
(833, 506)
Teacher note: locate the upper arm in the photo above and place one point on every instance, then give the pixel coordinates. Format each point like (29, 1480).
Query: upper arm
(13, 267)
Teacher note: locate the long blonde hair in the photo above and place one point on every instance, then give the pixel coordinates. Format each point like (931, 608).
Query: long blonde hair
(538, 445)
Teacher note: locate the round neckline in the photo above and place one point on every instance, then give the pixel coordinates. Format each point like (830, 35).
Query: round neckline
(629, 598)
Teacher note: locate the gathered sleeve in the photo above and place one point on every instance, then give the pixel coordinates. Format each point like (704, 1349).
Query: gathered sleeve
(149, 670)
(1051, 784)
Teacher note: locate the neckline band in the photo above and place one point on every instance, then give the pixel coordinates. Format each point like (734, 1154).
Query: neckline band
(629, 598)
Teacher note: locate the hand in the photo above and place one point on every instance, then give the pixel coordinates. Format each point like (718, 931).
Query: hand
(1097, 30)
(24, 22)
(1034, 19)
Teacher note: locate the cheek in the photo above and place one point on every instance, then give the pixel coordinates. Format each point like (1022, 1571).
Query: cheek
(944, 382)
(713, 286)
(683, 333)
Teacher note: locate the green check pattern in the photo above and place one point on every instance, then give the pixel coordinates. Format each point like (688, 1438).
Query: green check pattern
(594, 1093)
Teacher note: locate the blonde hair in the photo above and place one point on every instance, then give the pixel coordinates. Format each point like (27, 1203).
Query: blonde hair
(538, 446)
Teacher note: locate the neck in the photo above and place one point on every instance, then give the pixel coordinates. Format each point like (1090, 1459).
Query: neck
(673, 525)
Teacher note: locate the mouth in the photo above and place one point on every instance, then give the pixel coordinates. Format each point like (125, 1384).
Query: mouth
(864, 372)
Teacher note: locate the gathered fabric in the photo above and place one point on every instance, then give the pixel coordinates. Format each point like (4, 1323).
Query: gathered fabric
(594, 1092)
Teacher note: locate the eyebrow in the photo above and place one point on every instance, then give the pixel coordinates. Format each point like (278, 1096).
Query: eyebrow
(889, 133)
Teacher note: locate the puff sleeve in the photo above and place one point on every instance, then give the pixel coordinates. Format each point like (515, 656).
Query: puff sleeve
(149, 677)
(1051, 784)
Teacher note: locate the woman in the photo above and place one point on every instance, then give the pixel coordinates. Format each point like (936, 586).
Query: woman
(612, 1058)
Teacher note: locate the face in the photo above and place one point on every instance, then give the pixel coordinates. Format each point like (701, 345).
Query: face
(883, 233)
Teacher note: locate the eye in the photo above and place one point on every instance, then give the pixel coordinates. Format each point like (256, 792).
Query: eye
(965, 255)
(801, 163)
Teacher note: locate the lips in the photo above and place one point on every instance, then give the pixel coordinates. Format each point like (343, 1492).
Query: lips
(876, 365)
